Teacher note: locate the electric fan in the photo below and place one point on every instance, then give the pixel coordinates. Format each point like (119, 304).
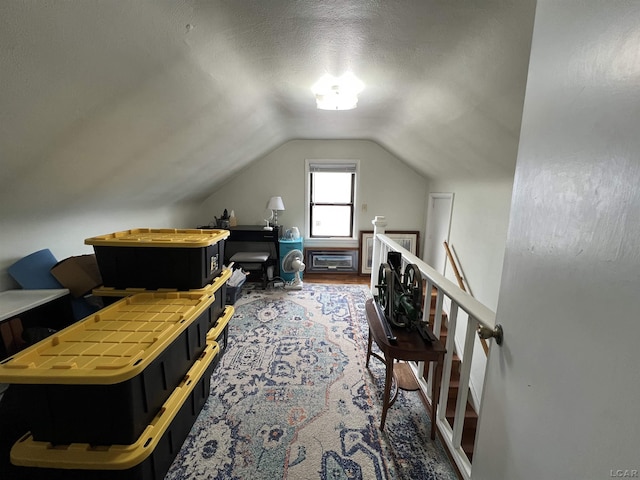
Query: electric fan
(292, 263)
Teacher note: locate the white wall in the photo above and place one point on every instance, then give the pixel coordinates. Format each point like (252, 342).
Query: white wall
(479, 232)
(561, 398)
(386, 185)
(64, 233)
(478, 237)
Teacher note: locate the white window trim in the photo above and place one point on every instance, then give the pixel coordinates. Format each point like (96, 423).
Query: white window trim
(334, 241)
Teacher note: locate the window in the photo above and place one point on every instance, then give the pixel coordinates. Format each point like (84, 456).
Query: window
(331, 191)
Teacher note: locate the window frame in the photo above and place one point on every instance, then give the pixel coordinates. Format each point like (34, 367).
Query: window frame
(333, 165)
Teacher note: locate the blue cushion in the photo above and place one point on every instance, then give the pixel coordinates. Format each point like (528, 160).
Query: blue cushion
(33, 271)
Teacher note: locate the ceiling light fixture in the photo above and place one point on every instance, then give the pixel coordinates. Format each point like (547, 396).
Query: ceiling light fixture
(337, 93)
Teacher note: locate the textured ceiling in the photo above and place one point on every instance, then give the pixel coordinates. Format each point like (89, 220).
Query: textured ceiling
(114, 101)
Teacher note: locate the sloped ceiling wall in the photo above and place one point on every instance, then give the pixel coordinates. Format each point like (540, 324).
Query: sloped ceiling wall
(118, 103)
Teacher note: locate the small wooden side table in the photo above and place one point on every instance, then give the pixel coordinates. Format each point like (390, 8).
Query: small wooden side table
(408, 346)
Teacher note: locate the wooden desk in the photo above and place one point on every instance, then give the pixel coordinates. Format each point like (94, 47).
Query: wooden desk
(409, 346)
(253, 238)
(242, 236)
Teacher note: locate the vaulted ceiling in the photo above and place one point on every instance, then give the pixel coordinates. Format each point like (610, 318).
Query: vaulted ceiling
(148, 101)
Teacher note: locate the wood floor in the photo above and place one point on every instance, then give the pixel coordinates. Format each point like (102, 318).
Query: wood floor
(347, 278)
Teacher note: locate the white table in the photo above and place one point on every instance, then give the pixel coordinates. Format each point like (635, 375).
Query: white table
(15, 302)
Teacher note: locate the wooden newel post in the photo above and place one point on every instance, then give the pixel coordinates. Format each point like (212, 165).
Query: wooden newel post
(379, 225)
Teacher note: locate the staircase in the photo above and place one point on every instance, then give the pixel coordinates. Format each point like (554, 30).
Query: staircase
(470, 316)
(471, 416)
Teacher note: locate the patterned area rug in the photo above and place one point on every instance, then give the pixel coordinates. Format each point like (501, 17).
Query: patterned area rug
(291, 398)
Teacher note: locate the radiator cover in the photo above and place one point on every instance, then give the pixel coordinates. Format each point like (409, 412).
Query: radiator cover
(332, 260)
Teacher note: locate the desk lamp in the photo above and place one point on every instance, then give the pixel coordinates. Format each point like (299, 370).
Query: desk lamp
(274, 204)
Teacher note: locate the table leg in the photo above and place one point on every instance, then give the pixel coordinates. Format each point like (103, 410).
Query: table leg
(369, 348)
(388, 380)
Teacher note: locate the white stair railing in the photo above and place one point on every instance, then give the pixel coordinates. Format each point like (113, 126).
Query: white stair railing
(463, 311)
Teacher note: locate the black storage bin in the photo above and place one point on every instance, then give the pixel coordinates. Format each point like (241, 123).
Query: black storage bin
(103, 379)
(219, 332)
(155, 449)
(217, 288)
(233, 294)
(160, 258)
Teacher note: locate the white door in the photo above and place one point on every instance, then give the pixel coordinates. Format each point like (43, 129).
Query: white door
(437, 230)
(561, 395)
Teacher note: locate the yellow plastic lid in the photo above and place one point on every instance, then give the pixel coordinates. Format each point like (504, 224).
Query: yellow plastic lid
(111, 346)
(210, 289)
(159, 237)
(27, 452)
(222, 322)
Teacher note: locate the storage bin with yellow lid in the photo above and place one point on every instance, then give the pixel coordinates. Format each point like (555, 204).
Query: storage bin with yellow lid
(102, 379)
(183, 259)
(148, 458)
(220, 313)
(218, 288)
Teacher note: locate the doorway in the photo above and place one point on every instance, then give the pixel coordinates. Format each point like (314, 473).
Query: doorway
(439, 212)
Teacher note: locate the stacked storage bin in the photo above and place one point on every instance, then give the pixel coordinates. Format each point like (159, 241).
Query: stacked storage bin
(115, 395)
(144, 259)
(221, 313)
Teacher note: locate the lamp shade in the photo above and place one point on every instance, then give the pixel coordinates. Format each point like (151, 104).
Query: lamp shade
(275, 203)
